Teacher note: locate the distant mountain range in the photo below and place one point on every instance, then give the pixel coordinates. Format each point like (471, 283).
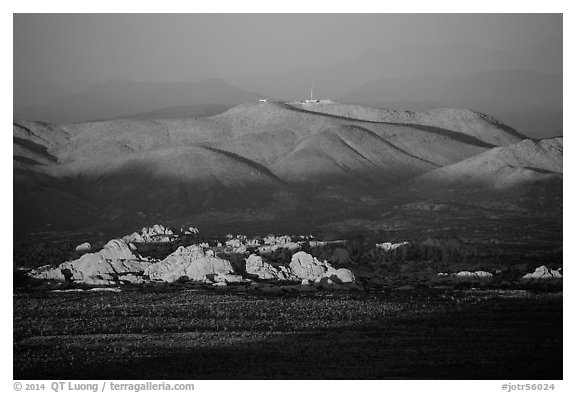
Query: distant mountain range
(522, 87)
(256, 163)
(116, 99)
(404, 62)
(529, 101)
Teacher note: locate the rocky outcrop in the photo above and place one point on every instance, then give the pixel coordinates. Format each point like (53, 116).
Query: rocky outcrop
(234, 243)
(271, 239)
(476, 274)
(115, 249)
(253, 242)
(391, 246)
(305, 266)
(342, 276)
(272, 248)
(47, 272)
(155, 234)
(438, 250)
(543, 273)
(113, 264)
(191, 263)
(256, 266)
(190, 231)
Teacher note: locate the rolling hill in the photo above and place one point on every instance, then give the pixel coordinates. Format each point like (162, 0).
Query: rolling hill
(530, 169)
(255, 163)
(465, 121)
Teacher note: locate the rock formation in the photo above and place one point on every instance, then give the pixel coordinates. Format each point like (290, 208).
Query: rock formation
(256, 266)
(118, 262)
(439, 250)
(342, 276)
(476, 274)
(271, 239)
(543, 273)
(155, 234)
(191, 263)
(190, 231)
(114, 263)
(305, 266)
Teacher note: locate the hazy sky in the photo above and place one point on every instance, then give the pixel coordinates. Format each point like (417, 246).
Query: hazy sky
(57, 54)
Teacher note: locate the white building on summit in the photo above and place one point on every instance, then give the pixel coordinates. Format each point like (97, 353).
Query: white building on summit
(311, 100)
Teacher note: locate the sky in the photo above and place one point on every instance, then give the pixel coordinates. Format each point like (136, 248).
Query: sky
(60, 54)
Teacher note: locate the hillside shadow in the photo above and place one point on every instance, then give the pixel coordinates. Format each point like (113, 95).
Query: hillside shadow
(458, 136)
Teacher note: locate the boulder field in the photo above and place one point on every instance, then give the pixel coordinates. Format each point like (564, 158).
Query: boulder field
(159, 234)
(119, 263)
(283, 261)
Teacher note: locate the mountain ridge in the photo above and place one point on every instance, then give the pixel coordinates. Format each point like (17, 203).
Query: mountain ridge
(255, 159)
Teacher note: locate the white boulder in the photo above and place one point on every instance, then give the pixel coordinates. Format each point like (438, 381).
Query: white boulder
(342, 276)
(84, 247)
(305, 266)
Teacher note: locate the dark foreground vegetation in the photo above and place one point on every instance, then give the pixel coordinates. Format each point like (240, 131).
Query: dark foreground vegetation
(179, 332)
